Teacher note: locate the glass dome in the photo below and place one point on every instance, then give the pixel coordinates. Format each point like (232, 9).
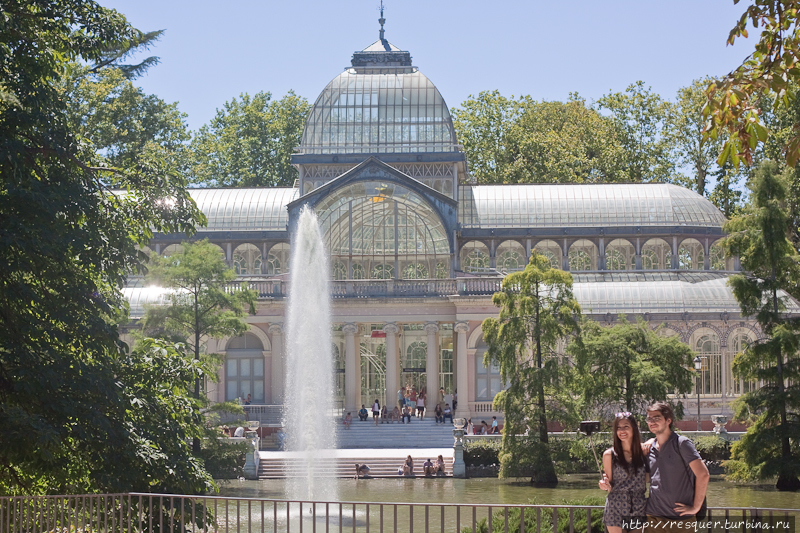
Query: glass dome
(379, 110)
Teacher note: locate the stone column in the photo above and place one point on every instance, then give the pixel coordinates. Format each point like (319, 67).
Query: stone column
(432, 364)
(352, 370)
(462, 370)
(277, 378)
(392, 365)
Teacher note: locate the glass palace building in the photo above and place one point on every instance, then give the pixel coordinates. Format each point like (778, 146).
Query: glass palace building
(417, 249)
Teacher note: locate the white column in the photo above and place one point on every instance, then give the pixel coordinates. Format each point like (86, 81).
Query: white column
(352, 370)
(462, 370)
(277, 378)
(432, 363)
(392, 364)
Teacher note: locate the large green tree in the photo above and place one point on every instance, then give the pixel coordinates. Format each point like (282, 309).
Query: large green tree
(759, 237)
(250, 141)
(639, 117)
(200, 305)
(684, 132)
(537, 310)
(66, 245)
(628, 366)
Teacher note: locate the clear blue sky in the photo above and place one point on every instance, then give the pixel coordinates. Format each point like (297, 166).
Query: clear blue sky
(212, 50)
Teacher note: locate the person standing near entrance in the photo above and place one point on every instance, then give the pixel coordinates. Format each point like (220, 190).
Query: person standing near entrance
(678, 476)
(401, 398)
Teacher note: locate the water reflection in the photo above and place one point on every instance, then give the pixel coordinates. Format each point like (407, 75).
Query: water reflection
(489, 490)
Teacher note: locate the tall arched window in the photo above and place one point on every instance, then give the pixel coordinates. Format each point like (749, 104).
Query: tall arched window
(247, 260)
(739, 341)
(551, 250)
(278, 259)
(656, 255)
(583, 255)
(708, 349)
(474, 257)
(691, 255)
(510, 256)
(620, 255)
(244, 369)
(717, 259)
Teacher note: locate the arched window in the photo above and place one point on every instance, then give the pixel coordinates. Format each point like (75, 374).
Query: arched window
(415, 271)
(339, 271)
(691, 255)
(583, 255)
(382, 223)
(171, 249)
(442, 270)
(707, 347)
(474, 257)
(620, 255)
(551, 250)
(278, 259)
(247, 260)
(244, 369)
(656, 255)
(358, 271)
(510, 256)
(382, 272)
(487, 380)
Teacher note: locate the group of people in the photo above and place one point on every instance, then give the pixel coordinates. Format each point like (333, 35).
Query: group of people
(429, 469)
(483, 428)
(678, 477)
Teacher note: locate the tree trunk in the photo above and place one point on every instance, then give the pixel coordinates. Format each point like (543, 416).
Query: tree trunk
(196, 440)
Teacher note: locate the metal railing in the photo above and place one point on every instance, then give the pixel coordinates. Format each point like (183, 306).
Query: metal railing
(160, 513)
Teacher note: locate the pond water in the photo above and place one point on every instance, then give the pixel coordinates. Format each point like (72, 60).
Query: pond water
(495, 491)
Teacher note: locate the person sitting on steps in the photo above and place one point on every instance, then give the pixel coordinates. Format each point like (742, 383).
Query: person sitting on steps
(362, 471)
(362, 413)
(427, 468)
(385, 415)
(438, 415)
(406, 415)
(447, 413)
(395, 415)
(348, 419)
(440, 471)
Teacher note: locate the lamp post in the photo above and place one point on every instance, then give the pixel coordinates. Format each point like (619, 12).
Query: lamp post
(698, 365)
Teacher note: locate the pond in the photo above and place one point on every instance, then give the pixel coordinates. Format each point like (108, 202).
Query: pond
(490, 490)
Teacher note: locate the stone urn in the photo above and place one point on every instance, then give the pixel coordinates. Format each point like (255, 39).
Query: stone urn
(719, 424)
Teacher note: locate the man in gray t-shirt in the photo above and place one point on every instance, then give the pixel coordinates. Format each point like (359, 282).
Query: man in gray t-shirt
(678, 476)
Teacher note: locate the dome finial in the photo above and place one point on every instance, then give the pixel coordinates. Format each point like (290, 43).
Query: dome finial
(382, 21)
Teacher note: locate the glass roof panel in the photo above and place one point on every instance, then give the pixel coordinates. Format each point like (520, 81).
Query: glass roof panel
(245, 209)
(377, 110)
(485, 206)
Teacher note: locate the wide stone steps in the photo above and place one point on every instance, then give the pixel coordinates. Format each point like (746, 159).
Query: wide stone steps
(423, 433)
(380, 467)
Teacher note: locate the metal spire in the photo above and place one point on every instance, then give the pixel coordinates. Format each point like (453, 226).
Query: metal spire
(382, 21)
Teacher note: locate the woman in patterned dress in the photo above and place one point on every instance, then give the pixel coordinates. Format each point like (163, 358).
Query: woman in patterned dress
(625, 470)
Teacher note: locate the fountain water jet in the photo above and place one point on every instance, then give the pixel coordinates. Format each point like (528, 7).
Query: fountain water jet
(310, 428)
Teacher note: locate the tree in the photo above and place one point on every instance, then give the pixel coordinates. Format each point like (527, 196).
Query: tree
(526, 141)
(770, 72)
(684, 131)
(66, 245)
(537, 310)
(628, 366)
(250, 141)
(562, 142)
(125, 125)
(759, 237)
(639, 116)
(199, 307)
(727, 195)
(481, 124)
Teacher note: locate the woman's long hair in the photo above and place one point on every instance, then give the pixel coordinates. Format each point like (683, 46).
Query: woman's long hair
(636, 444)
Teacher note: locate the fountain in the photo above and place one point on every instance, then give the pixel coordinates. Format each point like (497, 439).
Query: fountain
(310, 427)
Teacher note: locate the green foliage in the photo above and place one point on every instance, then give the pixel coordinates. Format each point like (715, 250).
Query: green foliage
(249, 142)
(713, 448)
(222, 459)
(482, 453)
(525, 141)
(627, 367)
(537, 309)
(684, 133)
(200, 306)
(759, 236)
(78, 413)
(513, 515)
(639, 117)
(124, 125)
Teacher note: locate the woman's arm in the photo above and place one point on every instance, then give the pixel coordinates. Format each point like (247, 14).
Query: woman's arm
(605, 483)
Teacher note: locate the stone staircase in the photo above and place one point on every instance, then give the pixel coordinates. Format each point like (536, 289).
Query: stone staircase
(423, 433)
(343, 467)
